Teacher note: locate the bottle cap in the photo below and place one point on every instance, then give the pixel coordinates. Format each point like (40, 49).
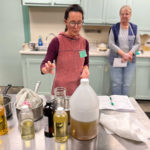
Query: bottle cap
(60, 109)
(24, 107)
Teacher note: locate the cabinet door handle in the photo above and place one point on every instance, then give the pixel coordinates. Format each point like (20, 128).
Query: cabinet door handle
(60, 4)
(106, 68)
(29, 3)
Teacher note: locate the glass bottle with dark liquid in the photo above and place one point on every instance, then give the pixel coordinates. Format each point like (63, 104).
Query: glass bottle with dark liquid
(48, 112)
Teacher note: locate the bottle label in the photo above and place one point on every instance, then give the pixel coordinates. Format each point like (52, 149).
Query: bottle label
(27, 129)
(59, 125)
(2, 123)
(1, 99)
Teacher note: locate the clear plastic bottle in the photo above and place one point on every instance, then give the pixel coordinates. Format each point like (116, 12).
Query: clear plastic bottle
(84, 112)
(60, 125)
(48, 112)
(26, 123)
(3, 121)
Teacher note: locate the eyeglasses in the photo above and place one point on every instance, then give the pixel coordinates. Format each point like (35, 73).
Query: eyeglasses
(125, 14)
(72, 23)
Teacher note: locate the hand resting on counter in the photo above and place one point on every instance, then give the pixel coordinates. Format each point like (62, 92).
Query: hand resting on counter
(85, 73)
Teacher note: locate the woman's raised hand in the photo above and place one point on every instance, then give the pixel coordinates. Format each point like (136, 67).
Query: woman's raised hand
(48, 68)
(85, 72)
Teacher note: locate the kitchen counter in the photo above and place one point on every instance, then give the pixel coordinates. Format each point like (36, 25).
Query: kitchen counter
(13, 141)
(92, 52)
(146, 54)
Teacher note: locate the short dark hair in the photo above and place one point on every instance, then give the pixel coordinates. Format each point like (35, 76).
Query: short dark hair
(75, 8)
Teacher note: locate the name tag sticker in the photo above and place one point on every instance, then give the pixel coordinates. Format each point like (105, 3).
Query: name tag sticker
(82, 54)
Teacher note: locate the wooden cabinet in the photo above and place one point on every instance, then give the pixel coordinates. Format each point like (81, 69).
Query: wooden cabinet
(32, 74)
(143, 78)
(102, 11)
(140, 15)
(50, 2)
(106, 12)
(93, 11)
(99, 76)
(112, 9)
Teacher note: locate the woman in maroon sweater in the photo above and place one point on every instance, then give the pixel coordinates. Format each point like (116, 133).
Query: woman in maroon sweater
(70, 52)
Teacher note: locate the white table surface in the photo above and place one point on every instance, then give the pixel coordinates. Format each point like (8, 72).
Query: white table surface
(13, 141)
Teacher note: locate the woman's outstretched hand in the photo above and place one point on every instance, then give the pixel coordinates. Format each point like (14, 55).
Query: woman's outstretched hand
(48, 68)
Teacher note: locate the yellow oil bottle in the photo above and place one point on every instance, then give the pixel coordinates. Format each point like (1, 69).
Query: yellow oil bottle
(60, 125)
(3, 121)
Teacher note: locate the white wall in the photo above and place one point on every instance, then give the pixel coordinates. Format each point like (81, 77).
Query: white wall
(44, 20)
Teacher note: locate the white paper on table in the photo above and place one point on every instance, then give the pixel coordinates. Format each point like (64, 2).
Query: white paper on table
(118, 63)
(121, 103)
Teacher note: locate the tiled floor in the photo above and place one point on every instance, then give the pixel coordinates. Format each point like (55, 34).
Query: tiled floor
(145, 104)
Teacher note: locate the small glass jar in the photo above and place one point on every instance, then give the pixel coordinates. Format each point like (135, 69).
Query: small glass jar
(60, 95)
(67, 107)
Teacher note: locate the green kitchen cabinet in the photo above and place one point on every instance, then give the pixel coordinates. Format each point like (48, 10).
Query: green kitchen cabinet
(112, 9)
(143, 78)
(102, 11)
(32, 74)
(53, 3)
(99, 75)
(140, 12)
(93, 11)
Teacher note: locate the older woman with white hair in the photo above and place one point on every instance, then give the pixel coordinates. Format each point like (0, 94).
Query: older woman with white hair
(124, 41)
